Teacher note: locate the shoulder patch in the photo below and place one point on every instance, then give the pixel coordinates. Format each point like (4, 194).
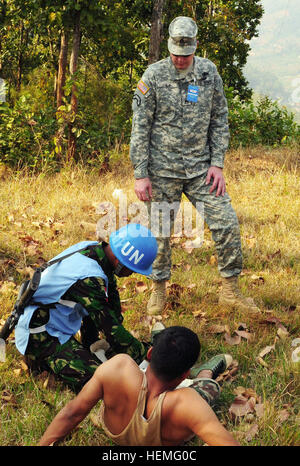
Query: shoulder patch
(143, 87)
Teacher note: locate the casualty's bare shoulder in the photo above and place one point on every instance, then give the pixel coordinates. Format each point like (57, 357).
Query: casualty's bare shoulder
(182, 402)
(119, 361)
(116, 365)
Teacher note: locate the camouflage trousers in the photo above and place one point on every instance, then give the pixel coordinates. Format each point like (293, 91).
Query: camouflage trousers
(209, 389)
(72, 362)
(219, 216)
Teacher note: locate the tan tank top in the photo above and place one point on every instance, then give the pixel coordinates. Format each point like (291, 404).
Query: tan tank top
(139, 431)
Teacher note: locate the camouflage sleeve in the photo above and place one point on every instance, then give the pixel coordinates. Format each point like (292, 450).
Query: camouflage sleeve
(218, 129)
(90, 292)
(105, 316)
(143, 106)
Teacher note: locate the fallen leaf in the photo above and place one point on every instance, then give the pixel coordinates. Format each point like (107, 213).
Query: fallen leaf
(213, 260)
(218, 329)
(242, 326)
(251, 432)
(26, 271)
(191, 286)
(282, 332)
(261, 361)
(8, 398)
(140, 287)
(271, 320)
(271, 256)
(259, 409)
(240, 407)
(257, 279)
(199, 313)
(266, 350)
(250, 393)
(24, 366)
(229, 373)
(129, 281)
(244, 334)
(239, 390)
(235, 340)
(47, 379)
(283, 415)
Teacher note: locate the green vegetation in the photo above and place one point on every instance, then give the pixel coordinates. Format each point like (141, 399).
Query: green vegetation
(71, 68)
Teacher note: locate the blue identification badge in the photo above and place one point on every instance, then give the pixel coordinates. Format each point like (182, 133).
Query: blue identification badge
(193, 93)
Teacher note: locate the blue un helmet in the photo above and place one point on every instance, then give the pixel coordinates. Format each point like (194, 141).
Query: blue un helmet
(135, 247)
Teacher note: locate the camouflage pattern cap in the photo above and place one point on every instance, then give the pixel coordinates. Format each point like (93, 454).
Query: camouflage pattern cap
(183, 36)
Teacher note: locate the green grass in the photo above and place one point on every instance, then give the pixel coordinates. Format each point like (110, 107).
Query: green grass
(55, 211)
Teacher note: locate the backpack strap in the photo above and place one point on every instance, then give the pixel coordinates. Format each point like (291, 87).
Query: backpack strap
(54, 261)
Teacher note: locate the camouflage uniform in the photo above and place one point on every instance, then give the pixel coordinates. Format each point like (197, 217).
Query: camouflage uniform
(174, 142)
(72, 362)
(209, 389)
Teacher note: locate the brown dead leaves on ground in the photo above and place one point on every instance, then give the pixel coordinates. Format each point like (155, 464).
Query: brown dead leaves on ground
(234, 338)
(247, 406)
(282, 333)
(249, 411)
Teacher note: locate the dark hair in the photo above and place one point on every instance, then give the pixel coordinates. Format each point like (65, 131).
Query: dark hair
(175, 350)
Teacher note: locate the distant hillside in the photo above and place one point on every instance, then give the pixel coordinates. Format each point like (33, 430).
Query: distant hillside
(273, 67)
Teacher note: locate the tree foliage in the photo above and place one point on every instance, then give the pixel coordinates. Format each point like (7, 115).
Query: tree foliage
(71, 66)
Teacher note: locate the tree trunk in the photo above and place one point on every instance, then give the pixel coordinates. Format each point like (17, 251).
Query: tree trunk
(62, 65)
(60, 83)
(156, 31)
(73, 69)
(20, 59)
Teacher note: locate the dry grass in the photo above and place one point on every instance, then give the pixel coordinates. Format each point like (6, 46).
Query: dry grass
(43, 214)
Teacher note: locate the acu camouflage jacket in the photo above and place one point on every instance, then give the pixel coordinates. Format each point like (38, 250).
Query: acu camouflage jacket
(171, 136)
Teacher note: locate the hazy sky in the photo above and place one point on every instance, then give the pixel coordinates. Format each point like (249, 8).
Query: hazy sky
(276, 51)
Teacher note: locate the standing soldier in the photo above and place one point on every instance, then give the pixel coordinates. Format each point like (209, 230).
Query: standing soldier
(179, 138)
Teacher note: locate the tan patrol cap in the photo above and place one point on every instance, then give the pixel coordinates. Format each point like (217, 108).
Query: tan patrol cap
(183, 36)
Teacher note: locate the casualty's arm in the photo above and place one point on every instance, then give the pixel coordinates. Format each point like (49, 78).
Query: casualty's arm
(75, 411)
(200, 419)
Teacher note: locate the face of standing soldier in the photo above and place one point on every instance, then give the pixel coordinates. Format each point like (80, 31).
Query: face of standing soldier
(182, 62)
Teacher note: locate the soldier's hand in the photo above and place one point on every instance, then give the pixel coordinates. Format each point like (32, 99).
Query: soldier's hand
(218, 180)
(143, 189)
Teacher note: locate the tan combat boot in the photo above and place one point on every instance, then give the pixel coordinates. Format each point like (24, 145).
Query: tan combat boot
(231, 296)
(157, 299)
